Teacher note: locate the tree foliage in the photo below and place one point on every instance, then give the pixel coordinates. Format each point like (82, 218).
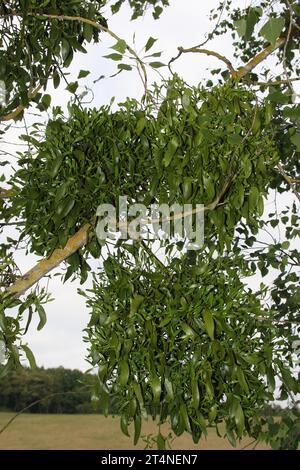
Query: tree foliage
(47, 391)
(181, 335)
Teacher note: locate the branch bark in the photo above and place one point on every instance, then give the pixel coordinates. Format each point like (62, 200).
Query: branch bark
(243, 71)
(46, 265)
(20, 108)
(210, 53)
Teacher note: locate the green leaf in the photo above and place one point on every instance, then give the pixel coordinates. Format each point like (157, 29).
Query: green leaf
(278, 97)
(195, 394)
(240, 26)
(272, 29)
(65, 49)
(56, 79)
(157, 12)
(124, 372)
(170, 152)
(141, 124)
(55, 166)
(189, 332)
(242, 380)
(296, 9)
(169, 389)
(230, 437)
(235, 139)
(135, 303)
(43, 318)
(295, 139)
(155, 54)
(29, 356)
(253, 198)
(46, 101)
(292, 112)
(161, 442)
(157, 65)
(124, 425)
(114, 56)
(238, 415)
(209, 323)
(88, 31)
(150, 43)
(270, 379)
(72, 87)
(185, 417)
(65, 207)
(124, 67)
(137, 428)
(186, 101)
(138, 392)
(252, 19)
(83, 73)
(288, 380)
(120, 47)
(156, 388)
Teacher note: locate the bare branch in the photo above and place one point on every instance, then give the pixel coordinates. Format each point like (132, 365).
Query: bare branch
(211, 53)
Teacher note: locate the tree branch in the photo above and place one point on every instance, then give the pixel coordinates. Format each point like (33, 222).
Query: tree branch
(20, 108)
(46, 265)
(243, 71)
(289, 180)
(275, 82)
(210, 53)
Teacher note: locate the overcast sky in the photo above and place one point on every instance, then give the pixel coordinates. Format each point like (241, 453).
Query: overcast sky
(184, 23)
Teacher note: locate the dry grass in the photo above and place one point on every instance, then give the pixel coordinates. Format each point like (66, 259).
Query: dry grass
(49, 432)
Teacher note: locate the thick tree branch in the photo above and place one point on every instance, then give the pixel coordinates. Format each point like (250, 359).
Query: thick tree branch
(243, 71)
(48, 264)
(20, 108)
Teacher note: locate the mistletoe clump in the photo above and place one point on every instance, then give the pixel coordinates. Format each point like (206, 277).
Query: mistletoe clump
(169, 342)
(196, 147)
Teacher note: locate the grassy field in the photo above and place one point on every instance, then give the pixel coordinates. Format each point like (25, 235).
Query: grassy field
(46, 432)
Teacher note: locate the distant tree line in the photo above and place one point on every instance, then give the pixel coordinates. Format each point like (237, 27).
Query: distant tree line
(55, 390)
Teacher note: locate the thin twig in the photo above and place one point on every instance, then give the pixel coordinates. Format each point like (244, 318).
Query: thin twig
(275, 82)
(289, 180)
(289, 34)
(248, 445)
(210, 35)
(36, 402)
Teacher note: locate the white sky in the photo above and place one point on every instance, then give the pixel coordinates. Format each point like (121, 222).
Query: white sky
(184, 23)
